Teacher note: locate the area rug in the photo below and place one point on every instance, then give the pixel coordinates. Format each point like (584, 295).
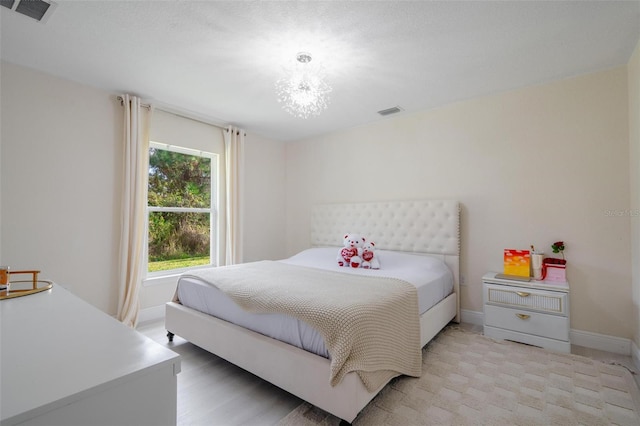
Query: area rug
(469, 379)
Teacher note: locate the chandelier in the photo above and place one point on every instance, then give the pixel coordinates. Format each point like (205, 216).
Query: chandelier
(303, 91)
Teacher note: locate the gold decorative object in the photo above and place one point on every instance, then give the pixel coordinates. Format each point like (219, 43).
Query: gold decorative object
(34, 285)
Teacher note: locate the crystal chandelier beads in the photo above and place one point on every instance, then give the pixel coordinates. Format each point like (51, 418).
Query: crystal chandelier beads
(303, 91)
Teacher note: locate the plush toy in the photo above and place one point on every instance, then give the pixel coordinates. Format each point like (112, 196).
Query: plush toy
(369, 258)
(351, 253)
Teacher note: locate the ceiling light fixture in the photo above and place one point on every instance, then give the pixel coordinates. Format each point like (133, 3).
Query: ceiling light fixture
(303, 91)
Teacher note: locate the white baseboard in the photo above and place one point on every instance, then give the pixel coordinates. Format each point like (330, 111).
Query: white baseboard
(153, 313)
(603, 342)
(471, 317)
(635, 355)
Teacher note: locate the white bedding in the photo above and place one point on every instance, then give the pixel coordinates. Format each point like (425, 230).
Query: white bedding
(429, 275)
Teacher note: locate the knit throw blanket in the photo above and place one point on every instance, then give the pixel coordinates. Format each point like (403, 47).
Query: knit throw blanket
(370, 325)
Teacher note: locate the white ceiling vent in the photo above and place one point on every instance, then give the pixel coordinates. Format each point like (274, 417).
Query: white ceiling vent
(390, 111)
(40, 10)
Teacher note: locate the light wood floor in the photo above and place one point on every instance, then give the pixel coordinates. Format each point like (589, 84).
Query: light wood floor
(212, 391)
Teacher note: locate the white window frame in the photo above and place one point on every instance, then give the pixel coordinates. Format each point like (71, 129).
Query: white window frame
(212, 210)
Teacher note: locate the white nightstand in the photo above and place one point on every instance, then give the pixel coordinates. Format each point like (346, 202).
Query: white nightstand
(535, 312)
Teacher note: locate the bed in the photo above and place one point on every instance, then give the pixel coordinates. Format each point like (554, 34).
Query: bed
(421, 227)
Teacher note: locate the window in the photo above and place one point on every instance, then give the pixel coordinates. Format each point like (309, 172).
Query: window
(181, 209)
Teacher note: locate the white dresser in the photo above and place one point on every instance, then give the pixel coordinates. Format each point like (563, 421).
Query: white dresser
(65, 362)
(535, 312)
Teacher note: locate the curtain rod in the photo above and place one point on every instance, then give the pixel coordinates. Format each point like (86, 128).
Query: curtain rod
(148, 106)
(121, 99)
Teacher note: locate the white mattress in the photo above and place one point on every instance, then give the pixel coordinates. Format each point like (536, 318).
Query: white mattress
(430, 275)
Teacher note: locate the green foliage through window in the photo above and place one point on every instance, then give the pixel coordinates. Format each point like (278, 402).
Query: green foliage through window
(178, 180)
(178, 183)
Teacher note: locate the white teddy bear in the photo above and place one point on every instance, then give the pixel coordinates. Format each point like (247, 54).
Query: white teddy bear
(369, 258)
(351, 253)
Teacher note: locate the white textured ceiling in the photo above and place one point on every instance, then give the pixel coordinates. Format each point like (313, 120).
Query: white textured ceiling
(219, 60)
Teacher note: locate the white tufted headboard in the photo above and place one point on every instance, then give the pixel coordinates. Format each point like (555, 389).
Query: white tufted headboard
(421, 226)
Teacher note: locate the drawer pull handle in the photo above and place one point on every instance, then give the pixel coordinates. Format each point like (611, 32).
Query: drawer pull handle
(523, 316)
(523, 294)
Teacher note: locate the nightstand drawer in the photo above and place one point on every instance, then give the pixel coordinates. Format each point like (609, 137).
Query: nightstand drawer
(539, 324)
(551, 302)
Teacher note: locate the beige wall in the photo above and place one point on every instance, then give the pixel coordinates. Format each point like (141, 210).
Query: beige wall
(634, 150)
(264, 221)
(60, 175)
(530, 166)
(60, 178)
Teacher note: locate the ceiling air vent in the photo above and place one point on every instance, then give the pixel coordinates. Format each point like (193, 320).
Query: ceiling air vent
(40, 10)
(390, 111)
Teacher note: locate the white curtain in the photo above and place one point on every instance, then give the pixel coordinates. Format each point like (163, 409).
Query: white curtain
(134, 201)
(234, 168)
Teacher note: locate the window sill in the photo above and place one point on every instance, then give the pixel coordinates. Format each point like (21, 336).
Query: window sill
(161, 280)
(171, 277)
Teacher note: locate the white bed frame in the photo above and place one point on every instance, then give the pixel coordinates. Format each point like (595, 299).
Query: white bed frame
(428, 227)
